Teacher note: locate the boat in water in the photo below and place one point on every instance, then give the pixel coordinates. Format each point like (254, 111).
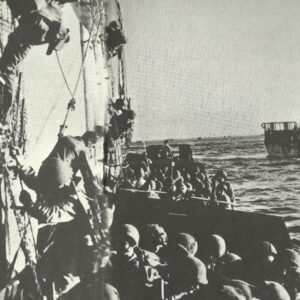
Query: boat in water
(199, 216)
(105, 67)
(282, 139)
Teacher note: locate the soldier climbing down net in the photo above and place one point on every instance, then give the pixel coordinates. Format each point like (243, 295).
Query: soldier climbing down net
(38, 23)
(75, 243)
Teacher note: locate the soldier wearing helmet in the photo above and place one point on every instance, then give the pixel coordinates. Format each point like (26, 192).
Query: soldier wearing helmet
(155, 238)
(131, 274)
(222, 189)
(57, 207)
(58, 204)
(287, 271)
(185, 270)
(39, 22)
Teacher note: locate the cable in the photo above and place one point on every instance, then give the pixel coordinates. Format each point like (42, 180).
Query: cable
(63, 73)
(71, 105)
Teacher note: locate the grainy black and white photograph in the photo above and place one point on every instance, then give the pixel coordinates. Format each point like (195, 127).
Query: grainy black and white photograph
(149, 150)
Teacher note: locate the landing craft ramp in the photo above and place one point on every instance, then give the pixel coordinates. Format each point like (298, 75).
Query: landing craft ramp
(239, 229)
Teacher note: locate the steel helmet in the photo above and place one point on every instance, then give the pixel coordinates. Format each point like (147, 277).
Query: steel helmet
(217, 246)
(242, 287)
(197, 271)
(221, 174)
(130, 234)
(89, 136)
(53, 174)
(228, 292)
(288, 258)
(188, 242)
(275, 291)
(110, 293)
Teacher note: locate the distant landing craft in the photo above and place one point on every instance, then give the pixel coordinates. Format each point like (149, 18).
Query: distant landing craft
(282, 139)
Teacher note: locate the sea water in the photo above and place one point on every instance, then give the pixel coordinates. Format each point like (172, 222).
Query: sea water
(261, 184)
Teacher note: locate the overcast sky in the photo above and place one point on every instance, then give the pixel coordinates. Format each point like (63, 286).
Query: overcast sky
(212, 67)
(194, 67)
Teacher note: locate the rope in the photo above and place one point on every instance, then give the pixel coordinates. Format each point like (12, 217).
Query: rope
(63, 74)
(72, 102)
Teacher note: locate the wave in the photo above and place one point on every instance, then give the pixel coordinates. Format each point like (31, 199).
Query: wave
(234, 158)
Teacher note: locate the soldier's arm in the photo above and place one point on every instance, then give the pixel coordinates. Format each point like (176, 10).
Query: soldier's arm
(29, 176)
(26, 172)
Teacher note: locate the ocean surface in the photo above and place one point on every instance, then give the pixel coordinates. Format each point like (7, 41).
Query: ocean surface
(261, 184)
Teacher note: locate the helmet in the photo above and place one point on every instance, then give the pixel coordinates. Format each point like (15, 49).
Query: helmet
(54, 173)
(242, 287)
(288, 258)
(188, 242)
(217, 246)
(197, 271)
(275, 291)
(89, 136)
(110, 293)
(221, 174)
(130, 234)
(228, 292)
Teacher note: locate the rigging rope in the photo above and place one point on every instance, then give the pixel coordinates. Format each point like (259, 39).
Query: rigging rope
(62, 127)
(63, 73)
(72, 102)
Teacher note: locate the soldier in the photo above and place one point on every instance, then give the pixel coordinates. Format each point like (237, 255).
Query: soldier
(59, 243)
(58, 204)
(75, 152)
(222, 189)
(39, 23)
(131, 271)
(167, 152)
(185, 270)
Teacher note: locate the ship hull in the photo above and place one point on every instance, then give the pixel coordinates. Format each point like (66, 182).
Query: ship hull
(282, 139)
(283, 151)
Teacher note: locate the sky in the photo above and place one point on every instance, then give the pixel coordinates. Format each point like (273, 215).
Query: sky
(212, 67)
(195, 68)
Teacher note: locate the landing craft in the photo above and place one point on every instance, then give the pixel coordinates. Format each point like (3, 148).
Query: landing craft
(196, 215)
(282, 139)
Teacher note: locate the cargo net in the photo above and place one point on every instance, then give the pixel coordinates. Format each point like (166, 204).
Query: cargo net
(120, 114)
(18, 246)
(17, 236)
(6, 24)
(118, 139)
